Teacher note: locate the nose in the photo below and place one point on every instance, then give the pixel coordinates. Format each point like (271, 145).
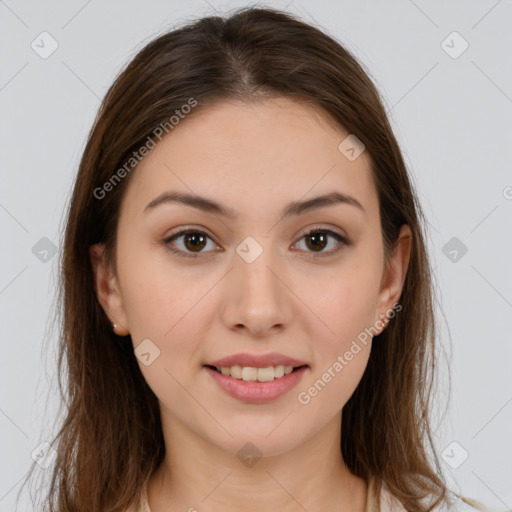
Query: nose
(257, 300)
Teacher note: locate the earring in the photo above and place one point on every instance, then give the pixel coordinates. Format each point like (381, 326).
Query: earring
(114, 327)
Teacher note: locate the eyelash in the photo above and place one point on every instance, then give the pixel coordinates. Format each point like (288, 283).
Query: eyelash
(343, 242)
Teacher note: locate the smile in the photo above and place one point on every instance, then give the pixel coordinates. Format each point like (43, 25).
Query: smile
(252, 374)
(256, 385)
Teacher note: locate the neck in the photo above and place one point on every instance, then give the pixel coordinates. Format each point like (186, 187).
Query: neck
(198, 475)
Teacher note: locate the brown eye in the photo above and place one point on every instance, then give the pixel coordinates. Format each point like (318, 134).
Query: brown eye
(194, 241)
(318, 239)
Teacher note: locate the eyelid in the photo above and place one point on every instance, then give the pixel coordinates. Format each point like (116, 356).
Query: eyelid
(187, 230)
(323, 227)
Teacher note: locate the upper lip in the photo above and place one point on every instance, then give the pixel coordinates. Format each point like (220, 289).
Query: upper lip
(256, 360)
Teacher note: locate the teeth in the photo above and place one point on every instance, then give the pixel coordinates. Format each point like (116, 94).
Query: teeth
(251, 374)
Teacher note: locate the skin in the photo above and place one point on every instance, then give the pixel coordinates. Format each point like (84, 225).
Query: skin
(254, 158)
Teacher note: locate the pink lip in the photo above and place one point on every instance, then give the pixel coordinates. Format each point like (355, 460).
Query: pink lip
(257, 392)
(256, 361)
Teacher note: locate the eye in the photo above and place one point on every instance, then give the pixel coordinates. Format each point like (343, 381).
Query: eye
(194, 240)
(317, 239)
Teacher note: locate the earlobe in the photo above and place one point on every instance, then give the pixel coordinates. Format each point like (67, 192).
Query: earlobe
(107, 289)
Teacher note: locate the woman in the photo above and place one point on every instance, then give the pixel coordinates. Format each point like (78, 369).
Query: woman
(247, 299)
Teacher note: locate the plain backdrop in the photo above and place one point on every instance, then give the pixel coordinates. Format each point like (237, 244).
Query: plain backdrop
(444, 70)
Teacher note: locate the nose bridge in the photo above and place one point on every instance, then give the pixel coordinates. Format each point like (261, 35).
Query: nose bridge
(257, 297)
(256, 258)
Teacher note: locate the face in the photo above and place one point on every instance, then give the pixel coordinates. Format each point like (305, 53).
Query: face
(249, 278)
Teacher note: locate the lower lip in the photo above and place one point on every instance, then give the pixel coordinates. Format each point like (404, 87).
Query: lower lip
(257, 392)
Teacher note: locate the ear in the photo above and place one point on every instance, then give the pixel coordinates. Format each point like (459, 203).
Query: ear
(107, 289)
(394, 277)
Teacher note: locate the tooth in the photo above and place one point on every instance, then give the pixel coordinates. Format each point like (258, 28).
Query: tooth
(279, 371)
(236, 372)
(249, 373)
(252, 374)
(266, 374)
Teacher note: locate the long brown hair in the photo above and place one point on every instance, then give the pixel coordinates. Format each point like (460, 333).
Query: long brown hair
(111, 440)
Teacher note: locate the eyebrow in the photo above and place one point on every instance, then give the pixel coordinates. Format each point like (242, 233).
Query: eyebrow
(210, 206)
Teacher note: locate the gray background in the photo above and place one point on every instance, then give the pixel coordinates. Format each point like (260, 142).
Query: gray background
(451, 116)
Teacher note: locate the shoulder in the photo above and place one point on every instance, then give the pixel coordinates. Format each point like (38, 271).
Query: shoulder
(455, 503)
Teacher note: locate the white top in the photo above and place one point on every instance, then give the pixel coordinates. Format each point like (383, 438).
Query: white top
(389, 503)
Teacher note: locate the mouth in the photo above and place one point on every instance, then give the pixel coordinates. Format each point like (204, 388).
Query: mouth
(256, 385)
(255, 374)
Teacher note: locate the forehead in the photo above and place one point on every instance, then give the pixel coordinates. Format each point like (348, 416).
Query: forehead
(253, 155)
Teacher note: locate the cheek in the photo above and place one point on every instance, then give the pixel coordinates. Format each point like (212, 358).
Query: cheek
(334, 380)
(170, 308)
(345, 301)
(341, 350)
(157, 295)
(347, 306)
